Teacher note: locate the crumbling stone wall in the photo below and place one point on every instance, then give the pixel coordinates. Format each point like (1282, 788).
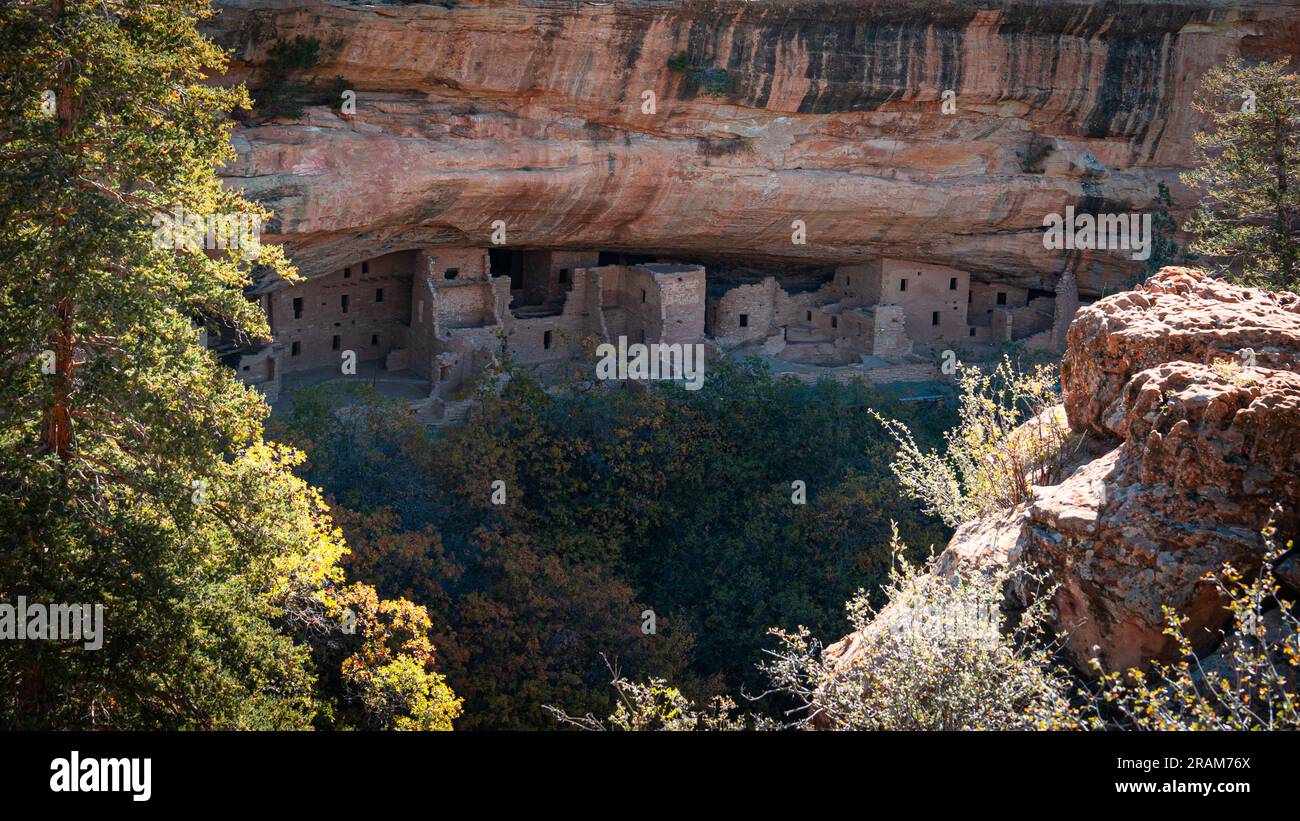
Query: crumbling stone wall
(1010, 324)
(1067, 305)
(747, 312)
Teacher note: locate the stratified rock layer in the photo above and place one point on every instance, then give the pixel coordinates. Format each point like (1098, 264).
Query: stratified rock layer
(535, 112)
(1189, 454)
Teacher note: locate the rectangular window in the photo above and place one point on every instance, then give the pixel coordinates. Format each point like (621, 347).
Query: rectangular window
(295, 349)
(546, 340)
(1002, 298)
(643, 294)
(451, 273)
(374, 339)
(902, 284)
(952, 283)
(343, 303)
(365, 267)
(847, 281)
(934, 318)
(297, 307)
(379, 295)
(835, 322)
(334, 343)
(564, 276)
(972, 331)
(347, 273)
(744, 320)
(810, 316)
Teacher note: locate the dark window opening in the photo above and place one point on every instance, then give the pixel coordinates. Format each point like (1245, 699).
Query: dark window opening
(334, 343)
(365, 267)
(295, 349)
(970, 296)
(744, 320)
(902, 284)
(1002, 298)
(835, 322)
(451, 273)
(297, 307)
(810, 316)
(379, 295)
(643, 294)
(546, 340)
(347, 273)
(374, 339)
(343, 303)
(507, 262)
(847, 281)
(972, 331)
(952, 283)
(564, 276)
(934, 318)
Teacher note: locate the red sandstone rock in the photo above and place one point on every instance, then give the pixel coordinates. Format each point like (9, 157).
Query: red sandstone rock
(1191, 462)
(530, 111)
(1180, 314)
(1207, 454)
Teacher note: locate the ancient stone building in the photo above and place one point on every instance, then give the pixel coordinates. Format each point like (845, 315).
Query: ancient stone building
(426, 322)
(435, 318)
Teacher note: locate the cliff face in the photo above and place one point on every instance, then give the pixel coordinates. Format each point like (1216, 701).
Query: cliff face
(1188, 392)
(827, 111)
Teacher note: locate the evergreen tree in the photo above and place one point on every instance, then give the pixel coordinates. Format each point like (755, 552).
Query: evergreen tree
(133, 473)
(1163, 229)
(1249, 218)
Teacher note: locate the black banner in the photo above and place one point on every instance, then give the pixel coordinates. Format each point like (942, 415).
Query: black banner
(144, 772)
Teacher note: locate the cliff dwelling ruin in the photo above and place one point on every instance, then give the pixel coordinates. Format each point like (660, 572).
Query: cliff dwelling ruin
(422, 324)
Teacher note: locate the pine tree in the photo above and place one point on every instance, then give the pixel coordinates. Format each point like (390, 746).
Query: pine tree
(133, 472)
(1248, 223)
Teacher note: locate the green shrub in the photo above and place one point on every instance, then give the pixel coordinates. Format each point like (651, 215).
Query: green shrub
(943, 657)
(281, 95)
(680, 62)
(1011, 435)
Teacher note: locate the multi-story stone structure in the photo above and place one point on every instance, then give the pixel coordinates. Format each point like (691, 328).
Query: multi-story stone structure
(439, 316)
(430, 320)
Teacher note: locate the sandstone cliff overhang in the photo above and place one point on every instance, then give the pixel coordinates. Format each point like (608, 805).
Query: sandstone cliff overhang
(534, 112)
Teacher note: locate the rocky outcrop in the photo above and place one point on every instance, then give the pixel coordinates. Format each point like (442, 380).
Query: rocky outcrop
(1179, 316)
(1206, 454)
(1190, 451)
(535, 112)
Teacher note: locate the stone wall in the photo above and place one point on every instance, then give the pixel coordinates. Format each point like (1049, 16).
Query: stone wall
(313, 327)
(984, 299)
(934, 298)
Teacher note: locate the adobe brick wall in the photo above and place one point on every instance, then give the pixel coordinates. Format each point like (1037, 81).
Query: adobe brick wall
(983, 300)
(369, 327)
(756, 302)
(929, 289)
